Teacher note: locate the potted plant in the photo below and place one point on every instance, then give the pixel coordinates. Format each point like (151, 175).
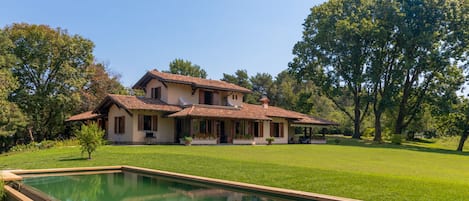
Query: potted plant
(269, 140)
(187, 140)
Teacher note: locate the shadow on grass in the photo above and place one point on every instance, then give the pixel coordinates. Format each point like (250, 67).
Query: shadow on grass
(344, 141)
(74, 159)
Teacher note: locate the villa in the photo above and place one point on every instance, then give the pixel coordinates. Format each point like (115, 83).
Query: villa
(210, 111)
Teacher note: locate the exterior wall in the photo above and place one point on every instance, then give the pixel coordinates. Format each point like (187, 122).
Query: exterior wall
(181, 90)
(284, 139)
(278, 140)
(174, 91)
(154, 84)
(126, 137)
(165, 133)
(231, 97)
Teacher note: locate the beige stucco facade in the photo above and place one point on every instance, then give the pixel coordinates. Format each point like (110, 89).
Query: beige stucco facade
(164, 134)
(113, 136)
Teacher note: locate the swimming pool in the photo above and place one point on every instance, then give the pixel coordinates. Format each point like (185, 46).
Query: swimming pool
(139, 184)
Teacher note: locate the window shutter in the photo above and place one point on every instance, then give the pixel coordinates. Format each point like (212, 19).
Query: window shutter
(154, 120)
(201, 97)
(271, 129)
(216, 98)
(152, 92)
(261, 132)
(140, 122)
(158, 93)
(280, 126)
(122, 125)
(250, 125)
(116, 124)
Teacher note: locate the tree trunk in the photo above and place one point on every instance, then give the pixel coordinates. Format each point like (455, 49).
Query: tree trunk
(89, 155)
(377, 137)
(462, 140)
(30, 132)
(356, 120)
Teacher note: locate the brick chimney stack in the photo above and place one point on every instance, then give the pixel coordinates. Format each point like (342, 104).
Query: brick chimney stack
(265, 102)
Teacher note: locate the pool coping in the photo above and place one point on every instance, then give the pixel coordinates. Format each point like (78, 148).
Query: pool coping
(266, 189)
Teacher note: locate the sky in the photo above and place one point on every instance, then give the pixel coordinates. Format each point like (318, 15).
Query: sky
(132, 37)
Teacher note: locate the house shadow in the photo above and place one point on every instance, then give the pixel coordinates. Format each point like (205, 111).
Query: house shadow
(411, 146)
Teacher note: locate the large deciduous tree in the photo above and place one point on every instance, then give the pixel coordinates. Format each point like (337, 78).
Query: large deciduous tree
(431, 36)
(51, 70)
(334, 54)
(185, 67)
(100, 83)
(387, 53)
(11, 117)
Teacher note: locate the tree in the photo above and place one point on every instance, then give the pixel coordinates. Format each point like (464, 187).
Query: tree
(90, 138)
(100, 82)
(432, 35)
(453, 118)
(11, 117)
(185, 67)
(51, 70)
(241, 78)
(262, 85)
(334, 53)
(284, 91)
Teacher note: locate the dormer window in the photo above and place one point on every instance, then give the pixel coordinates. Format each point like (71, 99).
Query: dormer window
(156, 93)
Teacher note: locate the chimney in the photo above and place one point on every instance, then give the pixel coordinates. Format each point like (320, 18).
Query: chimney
(265, 102)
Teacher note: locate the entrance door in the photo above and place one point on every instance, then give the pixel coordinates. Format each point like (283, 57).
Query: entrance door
(221, 131)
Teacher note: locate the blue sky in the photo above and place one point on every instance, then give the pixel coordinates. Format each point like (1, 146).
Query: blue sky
(135, 36)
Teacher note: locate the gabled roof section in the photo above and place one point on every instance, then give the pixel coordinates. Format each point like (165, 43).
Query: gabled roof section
(135, 103)
(84, 116)
(188, 80)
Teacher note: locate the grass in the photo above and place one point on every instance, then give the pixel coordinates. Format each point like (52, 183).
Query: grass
(355, 169)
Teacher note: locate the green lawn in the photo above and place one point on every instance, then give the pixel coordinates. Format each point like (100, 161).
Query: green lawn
(414, 171)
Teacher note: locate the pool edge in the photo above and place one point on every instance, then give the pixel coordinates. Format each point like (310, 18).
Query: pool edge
(261, 188)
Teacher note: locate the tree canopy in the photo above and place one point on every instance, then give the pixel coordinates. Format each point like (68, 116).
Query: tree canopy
(51, 69)
(100, 82)
(385, 53)
(185, 67)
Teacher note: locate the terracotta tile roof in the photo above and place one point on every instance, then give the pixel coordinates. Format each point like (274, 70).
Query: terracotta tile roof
(137, 103)
(193, 81)
(249, 111)
(83, 116)
(315, 120)
(220, 112)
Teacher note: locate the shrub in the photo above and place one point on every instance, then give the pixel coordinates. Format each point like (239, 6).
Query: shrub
(90, 137)
(24, 147)
(336, 140)
(269, 140)
(67, 143)
(187, 140)
(396, 139)
(46, 144)
(369, 132)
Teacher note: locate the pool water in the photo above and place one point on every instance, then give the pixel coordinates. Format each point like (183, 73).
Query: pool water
(131, 186)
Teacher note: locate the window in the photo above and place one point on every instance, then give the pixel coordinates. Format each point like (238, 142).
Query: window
(206, 97)
(256, 129)
(119, 125)
(234, 96)
(147, 122)
(156, 93)
(205, 126)
(276, 129)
